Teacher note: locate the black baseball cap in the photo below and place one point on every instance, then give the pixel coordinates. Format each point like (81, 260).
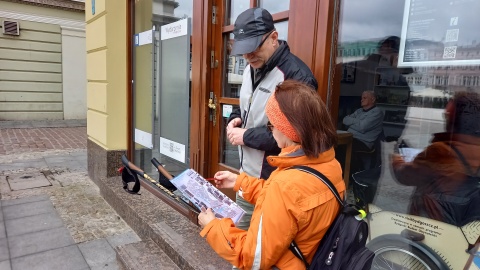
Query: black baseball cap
(249, 29)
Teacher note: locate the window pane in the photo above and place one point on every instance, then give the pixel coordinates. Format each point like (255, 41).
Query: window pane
(149, 96)
(233, 71)
(421, 59)
(282, 29)
(275, 6)
(230, 155)
(234, 8)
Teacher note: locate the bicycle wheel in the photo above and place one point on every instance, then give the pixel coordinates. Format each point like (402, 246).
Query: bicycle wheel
(397, 255)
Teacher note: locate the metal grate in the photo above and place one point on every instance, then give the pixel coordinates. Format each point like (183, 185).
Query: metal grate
(11, 28)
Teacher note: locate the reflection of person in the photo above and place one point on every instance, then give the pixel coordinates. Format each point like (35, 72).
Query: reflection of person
(439, 168)
(365, 124)
(270, 62)
(291, 205)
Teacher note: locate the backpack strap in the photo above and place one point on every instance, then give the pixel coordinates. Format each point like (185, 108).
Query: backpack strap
(464, 161)
(324, 179)
(293, 246)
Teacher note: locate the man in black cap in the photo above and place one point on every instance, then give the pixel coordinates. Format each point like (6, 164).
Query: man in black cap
(270, 63)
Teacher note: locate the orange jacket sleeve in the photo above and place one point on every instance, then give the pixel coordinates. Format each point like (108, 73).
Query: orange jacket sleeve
(249, 187)
(268, 238)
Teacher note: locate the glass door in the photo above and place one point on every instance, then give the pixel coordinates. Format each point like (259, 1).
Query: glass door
(227, 77)
(156, 130)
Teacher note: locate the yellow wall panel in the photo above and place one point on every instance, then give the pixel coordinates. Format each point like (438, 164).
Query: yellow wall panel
(96, 34)
(97, 66)
(97, 126)
(99, 8)
(107, 73)
(97, 96)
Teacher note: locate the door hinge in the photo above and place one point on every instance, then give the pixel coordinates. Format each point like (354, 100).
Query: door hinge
(214, 14)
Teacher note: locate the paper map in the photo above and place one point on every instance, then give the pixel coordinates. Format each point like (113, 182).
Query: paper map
(409, 154)
(203, 194)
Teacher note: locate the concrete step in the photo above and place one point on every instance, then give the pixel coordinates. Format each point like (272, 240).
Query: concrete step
(144, 255)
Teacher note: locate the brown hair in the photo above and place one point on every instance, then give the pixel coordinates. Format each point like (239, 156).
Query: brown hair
(308, 115)
(463, 113)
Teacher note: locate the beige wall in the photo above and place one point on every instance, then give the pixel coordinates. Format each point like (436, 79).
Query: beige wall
(41, 71)
(74, 59)
(42, 11)
(107, 73)
(31, 73)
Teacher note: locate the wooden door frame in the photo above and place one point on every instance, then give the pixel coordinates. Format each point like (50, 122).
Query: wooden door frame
(312, 37)
(200, 80)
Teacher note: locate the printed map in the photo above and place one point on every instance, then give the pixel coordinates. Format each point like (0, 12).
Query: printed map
(203, 194)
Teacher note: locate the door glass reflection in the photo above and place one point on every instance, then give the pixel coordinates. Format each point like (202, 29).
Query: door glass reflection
(234, 8)
(229, 152)
(275, 6)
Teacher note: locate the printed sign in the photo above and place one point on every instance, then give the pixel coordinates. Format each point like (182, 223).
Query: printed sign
(143, 38)
(175, 29)
(227, 110)
(143, 138)
(172, 149)
(439, 33)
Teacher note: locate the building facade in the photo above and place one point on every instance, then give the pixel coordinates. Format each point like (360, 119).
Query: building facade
(42, 60)
(151, 94)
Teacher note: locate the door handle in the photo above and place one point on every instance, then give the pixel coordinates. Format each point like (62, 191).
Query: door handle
(211, 105)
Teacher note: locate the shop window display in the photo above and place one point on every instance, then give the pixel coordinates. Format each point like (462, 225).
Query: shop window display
(421, 59)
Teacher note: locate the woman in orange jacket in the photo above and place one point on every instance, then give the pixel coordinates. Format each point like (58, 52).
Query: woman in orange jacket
(441, 172)
(290, 205)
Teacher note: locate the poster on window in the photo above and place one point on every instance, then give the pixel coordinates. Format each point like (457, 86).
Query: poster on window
(440, 33)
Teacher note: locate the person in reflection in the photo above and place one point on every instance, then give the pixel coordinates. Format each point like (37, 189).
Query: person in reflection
(292, 204)
(447, 173)
(269, 63)
(366, 126)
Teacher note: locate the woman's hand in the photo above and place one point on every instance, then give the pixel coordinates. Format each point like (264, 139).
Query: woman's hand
(225, 179)
(205, 217)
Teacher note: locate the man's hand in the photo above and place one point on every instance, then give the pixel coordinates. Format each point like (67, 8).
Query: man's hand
(236, 122)
(235, 135)
(205, 217)
(225, 179)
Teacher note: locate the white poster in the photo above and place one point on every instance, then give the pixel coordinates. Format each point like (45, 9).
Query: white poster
(143, 138)
(175, 29)
(143, 38)
(440, 33)
(172, 149)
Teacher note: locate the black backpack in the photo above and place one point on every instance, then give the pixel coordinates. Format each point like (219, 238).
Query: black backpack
(343, 246)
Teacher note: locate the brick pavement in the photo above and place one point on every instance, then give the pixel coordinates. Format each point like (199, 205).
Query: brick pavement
(20, 140)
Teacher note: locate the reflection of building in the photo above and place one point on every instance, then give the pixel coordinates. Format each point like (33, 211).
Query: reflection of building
(236, 65)
(163, 11)
(356, 50)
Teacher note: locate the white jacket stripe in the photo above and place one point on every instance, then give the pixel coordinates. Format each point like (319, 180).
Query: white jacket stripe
(258, 250)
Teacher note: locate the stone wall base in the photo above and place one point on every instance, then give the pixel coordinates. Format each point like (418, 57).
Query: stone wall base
(151, 218)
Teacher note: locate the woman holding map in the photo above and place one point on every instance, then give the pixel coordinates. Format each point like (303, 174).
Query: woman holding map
(291, 204)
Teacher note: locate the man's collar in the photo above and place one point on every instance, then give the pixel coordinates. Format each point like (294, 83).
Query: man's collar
(369, 109)
(275, 58)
